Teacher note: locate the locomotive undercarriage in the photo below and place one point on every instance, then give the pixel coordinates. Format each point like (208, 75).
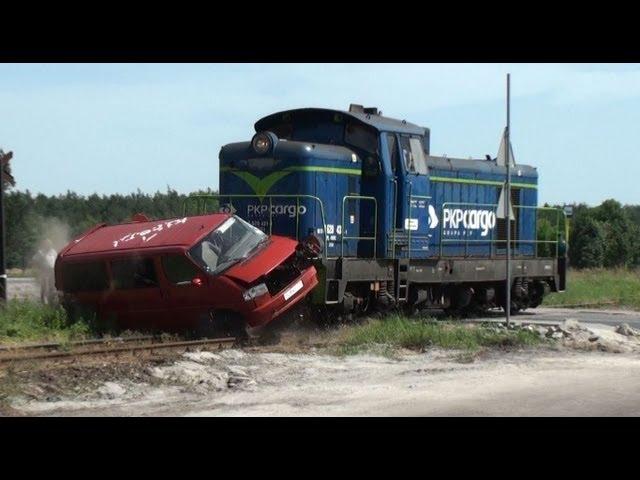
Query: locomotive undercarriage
(459, 286)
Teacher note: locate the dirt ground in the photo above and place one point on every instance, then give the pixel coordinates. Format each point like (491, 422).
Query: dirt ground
(297, 377)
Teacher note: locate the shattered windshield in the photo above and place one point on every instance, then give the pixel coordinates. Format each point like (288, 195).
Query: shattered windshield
(231, 242)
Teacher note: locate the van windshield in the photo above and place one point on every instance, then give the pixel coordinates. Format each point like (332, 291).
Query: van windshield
(229, 243)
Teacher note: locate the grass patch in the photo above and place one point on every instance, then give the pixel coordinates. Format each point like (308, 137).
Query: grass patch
(620, 287)
(400, 332)
(23, 320)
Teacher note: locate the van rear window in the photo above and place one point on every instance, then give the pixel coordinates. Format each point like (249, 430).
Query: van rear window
(84, 277)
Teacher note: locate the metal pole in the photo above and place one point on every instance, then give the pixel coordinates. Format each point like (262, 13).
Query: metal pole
(507, 203)
(3, 272)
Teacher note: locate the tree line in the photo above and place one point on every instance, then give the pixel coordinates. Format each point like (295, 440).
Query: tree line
(604, 236)
(30, 218)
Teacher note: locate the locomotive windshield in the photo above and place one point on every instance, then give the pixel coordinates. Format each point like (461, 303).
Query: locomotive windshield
(228, 244)
(334, 132)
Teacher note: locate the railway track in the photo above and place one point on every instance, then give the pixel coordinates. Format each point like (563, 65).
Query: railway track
(120, 345)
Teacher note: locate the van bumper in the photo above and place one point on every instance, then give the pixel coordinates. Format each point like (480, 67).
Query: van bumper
(283, 300)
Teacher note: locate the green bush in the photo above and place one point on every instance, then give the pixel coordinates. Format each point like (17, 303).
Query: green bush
(25, 320)
(546, 232)
(586, 242)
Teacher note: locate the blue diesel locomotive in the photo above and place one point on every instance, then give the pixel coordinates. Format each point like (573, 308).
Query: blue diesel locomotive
(396, 225)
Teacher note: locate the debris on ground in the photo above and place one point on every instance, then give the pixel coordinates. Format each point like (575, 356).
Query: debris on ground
(621, 339)
(626, 330)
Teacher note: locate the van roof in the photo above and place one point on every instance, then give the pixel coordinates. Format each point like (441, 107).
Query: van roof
(175, 232)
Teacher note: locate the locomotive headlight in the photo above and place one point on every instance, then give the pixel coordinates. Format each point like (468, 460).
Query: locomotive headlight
(254, 292)
(263, 142)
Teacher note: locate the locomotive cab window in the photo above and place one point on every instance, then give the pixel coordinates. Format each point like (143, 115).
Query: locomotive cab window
(413, 155)
(361, 137)
(392, 148)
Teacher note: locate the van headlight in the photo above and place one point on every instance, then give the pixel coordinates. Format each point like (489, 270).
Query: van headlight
(254, 292)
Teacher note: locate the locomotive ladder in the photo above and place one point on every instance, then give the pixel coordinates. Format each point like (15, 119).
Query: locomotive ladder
(401, 279)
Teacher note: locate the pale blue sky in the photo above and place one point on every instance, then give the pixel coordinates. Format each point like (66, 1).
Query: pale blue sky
(115, 128)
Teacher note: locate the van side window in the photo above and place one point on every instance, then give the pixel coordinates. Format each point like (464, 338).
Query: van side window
(179, 269)
(393, 151)
(134, 273)
(85, 277)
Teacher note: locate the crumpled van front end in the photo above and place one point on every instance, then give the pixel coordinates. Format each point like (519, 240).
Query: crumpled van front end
(275, 279)
(193, 273)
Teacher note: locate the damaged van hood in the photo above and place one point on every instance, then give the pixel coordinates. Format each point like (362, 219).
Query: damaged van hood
(264, 260)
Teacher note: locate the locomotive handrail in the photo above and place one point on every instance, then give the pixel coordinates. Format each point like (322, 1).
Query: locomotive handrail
(206, 197)
(394, 180)
(375, 223)
(492, 241)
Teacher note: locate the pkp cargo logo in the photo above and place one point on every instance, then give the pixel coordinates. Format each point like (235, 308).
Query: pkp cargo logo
(287, 210)
(469, 219)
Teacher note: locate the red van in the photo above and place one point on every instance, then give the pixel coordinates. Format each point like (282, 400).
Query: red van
(212, 274)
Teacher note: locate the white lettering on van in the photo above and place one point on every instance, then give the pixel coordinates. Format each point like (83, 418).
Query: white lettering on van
(145, 234)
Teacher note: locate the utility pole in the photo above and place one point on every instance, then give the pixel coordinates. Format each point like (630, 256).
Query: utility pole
(507, 201)
(4, 167)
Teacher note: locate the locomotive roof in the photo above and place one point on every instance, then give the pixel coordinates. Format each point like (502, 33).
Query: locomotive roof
(180, 232)
(378, 122)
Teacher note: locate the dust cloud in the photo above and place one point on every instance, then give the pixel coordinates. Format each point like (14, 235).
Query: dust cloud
(55, 230)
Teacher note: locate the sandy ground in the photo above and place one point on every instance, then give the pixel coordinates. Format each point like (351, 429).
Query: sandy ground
(294, 380)
(241, 383)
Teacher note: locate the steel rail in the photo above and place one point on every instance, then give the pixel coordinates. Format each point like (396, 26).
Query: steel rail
(220, 342)
(76, 343)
